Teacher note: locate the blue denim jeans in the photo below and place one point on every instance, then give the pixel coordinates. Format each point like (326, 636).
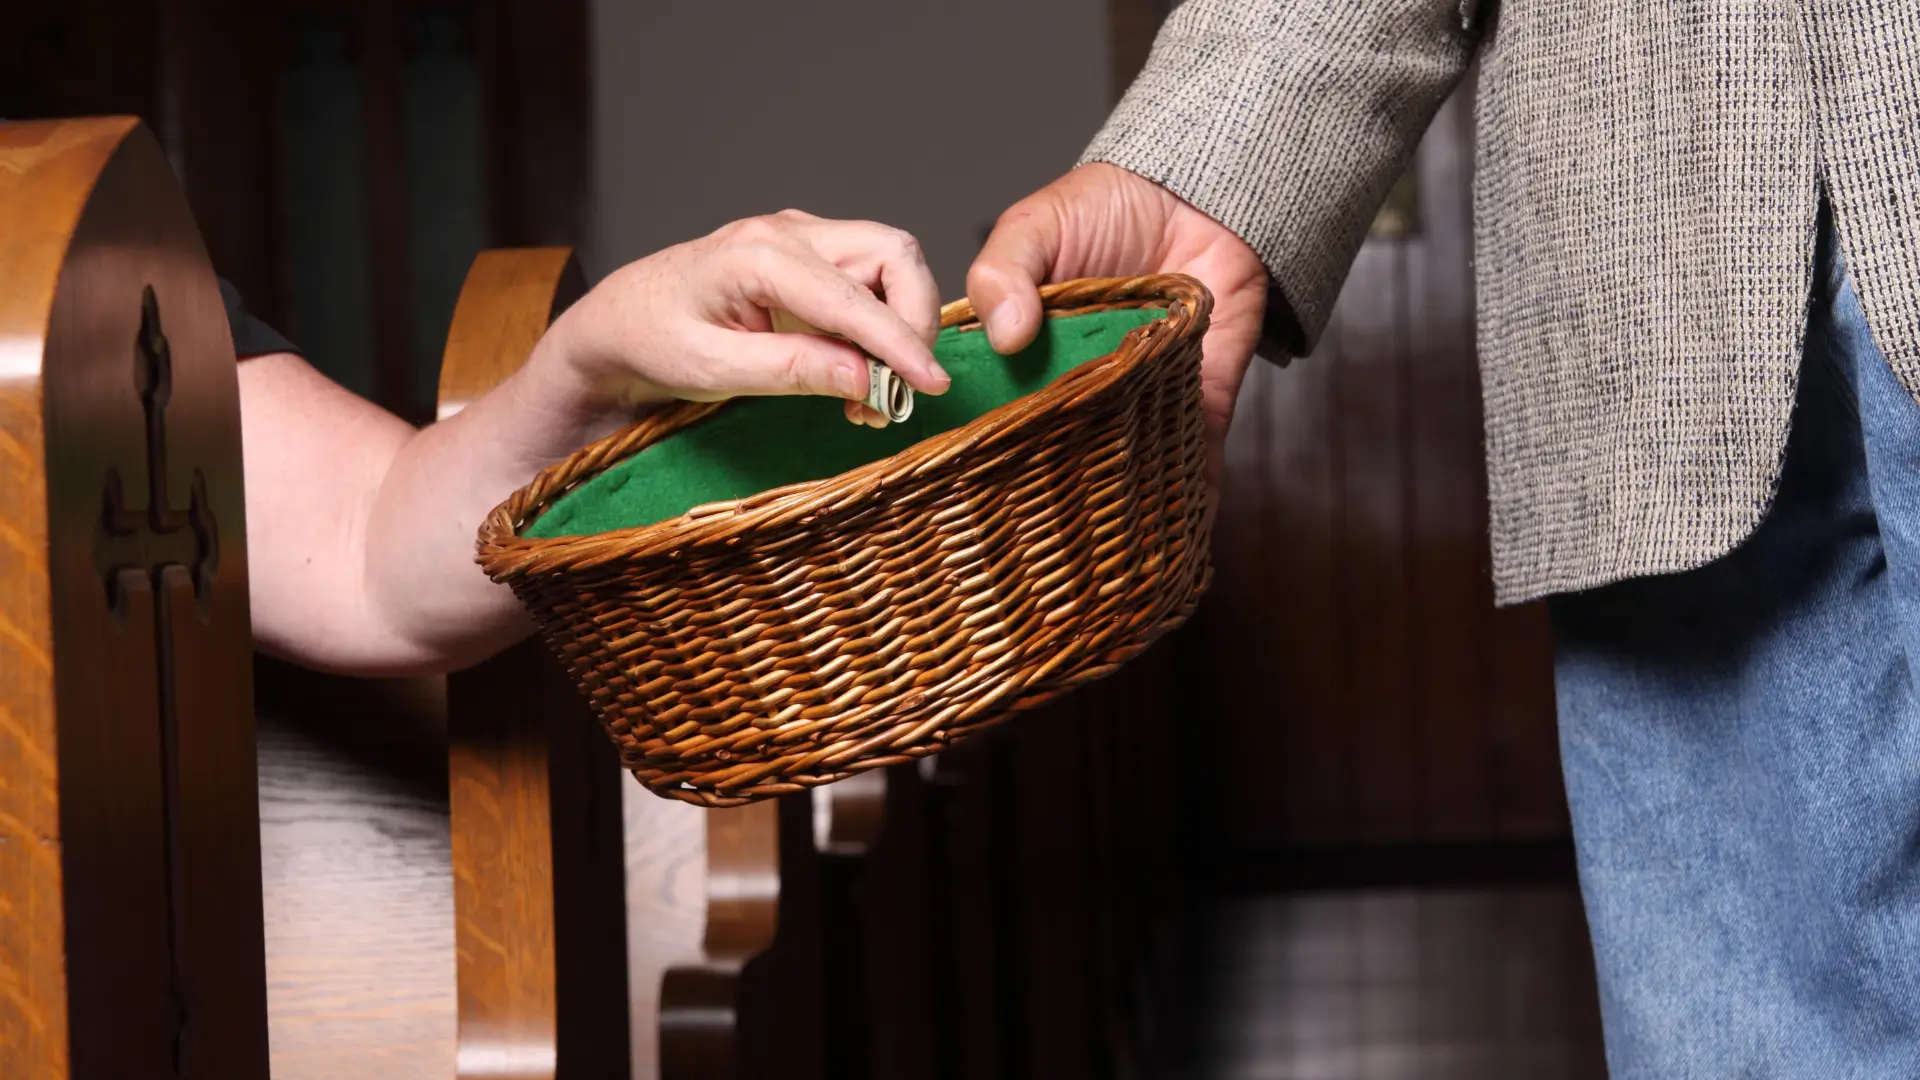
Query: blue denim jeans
(1741, 746)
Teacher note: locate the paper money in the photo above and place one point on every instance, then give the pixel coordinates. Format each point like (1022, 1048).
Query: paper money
(887, 393)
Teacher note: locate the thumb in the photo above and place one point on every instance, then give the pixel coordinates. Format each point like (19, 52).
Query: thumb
(1004, 283)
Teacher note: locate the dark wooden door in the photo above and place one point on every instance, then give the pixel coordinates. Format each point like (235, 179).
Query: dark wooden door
(1349, 681)
(1365, 690)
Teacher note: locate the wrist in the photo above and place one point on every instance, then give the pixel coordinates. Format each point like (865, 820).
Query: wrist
(586, 375)
(562, 398)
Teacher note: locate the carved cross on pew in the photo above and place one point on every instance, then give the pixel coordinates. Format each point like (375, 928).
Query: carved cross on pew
(148, 545)
(129, 797)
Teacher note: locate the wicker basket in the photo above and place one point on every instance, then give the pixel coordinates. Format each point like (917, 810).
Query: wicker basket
(754, 648)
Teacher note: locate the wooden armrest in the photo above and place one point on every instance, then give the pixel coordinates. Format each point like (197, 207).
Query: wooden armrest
(539, 879)
(509, 299)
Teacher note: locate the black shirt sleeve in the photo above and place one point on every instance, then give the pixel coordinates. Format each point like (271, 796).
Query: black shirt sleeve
(251, 337)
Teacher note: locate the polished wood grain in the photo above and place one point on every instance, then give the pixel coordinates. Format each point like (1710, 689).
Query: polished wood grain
(534, 783)
(357, 872)
(848, 816)
(703, 889)
(699, 1018)
(666, 859)
(360, 826)
(509, 298)
(130, 934)
(535, 792)
(33, 993)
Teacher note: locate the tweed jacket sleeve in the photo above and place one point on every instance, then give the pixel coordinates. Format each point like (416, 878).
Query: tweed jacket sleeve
(1287, 121)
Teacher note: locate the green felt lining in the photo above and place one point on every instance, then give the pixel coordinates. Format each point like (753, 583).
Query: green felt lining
(758, 444)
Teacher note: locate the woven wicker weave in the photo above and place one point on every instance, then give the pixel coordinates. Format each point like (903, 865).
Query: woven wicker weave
(754, 648)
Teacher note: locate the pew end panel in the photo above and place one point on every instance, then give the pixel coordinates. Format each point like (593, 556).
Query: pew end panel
(535, 786)
(131, 940)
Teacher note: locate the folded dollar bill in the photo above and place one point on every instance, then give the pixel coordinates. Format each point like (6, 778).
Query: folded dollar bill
(887, 393)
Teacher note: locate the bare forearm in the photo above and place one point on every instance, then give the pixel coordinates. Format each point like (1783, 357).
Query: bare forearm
(421, 576)
(361, 529)
(380, 578)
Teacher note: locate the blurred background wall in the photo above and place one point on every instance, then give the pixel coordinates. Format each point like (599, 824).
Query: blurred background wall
(932, 117)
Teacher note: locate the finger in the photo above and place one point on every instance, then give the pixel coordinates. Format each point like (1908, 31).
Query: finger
(1004, 283)
(798, 280)
(859, 413)
(911, 292)
(887, 260)
(781, 364)
(1215, 466)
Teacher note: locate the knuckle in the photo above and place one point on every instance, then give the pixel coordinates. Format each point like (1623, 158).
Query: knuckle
(988, 274)
(757, 257)
(907, 244)
(1013, 215)
(852, 298)
(701, 381)
(979, 285)
(1024, 217)
(753, 230)
(801, 370)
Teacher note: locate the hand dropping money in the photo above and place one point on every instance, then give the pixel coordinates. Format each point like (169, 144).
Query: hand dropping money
(889, 398)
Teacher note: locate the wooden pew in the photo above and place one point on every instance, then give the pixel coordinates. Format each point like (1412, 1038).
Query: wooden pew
(382, 960)
(357, 875)
(535, 784)
(131, 927)
(130, 920)
(602, 930)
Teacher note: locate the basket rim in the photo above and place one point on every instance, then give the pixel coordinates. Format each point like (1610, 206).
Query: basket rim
(505, 555)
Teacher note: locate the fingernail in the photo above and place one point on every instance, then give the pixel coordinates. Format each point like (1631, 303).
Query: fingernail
(1000, 323)
(939, 381)
(848, 380)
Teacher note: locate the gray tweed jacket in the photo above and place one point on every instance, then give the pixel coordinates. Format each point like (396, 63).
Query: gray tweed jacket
(1647, 184)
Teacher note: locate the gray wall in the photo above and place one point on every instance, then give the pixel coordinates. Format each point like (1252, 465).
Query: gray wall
(932, 117)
